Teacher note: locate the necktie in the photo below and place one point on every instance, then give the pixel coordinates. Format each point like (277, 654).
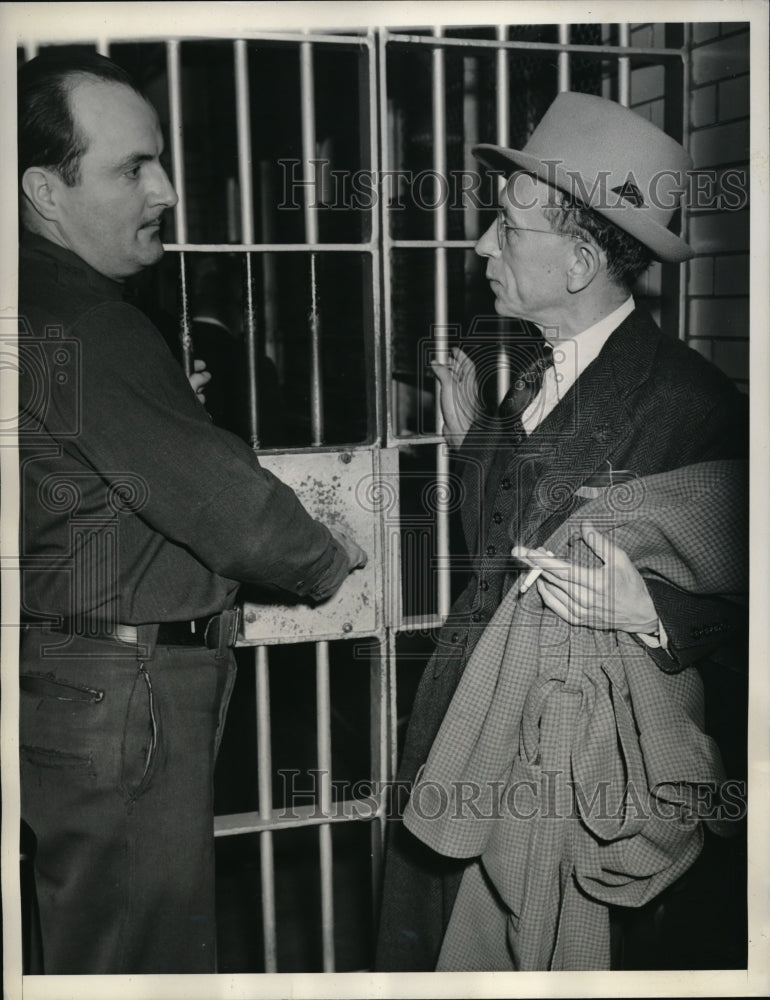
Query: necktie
(525, 387)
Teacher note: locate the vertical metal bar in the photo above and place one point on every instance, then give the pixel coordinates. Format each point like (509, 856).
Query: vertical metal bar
(184, 316)
(324, 753)
(180, 212)
(564, 71)
(177, 138)
(503, 83)
(243, 126)
(386, 121)
(307, 109)
(307, 97)
(378, 707)
(265, 778)
(250, 318)
(440, 303)
(624, 66)
(370, 277)
(393, 703)
(502, 139)
(30, 51)
(103, 47)
(316, 363)
(383, 464)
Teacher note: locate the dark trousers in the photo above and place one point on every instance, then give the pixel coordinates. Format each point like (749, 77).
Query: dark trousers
(117, 760)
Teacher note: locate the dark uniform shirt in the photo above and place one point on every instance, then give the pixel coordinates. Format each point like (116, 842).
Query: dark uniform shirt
(135, 507)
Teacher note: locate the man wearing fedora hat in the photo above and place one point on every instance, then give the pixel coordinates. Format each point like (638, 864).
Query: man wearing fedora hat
(607, 397)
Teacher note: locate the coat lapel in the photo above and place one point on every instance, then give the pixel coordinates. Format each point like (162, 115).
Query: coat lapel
(581, 435)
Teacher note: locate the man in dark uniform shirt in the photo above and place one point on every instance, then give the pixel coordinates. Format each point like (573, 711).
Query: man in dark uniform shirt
(140, 520)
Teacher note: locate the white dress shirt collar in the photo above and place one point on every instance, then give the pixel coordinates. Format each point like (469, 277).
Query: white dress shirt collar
(571, 357)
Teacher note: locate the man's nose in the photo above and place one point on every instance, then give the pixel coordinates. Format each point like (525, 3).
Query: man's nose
(162, 191)
(487, 245)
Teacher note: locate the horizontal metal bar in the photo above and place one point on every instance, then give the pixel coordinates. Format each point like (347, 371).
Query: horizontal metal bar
(416, 623)
(271, 247)
(289, 640)
(368, 247)
(348, 811)
(406, 439)
(493, 43)
(432, 244)
(224, 33)
(352, 449)
(352, 39)
(316, 247)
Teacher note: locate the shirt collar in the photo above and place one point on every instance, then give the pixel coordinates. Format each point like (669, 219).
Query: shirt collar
(572, 357)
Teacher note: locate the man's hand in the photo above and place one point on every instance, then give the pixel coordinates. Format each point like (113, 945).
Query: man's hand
(458, 396)
(610, 597)
(357, 558)
(199, 378)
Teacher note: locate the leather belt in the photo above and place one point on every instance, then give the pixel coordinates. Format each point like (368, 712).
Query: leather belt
(215, 632)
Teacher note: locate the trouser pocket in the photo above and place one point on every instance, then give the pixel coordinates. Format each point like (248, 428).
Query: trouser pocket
(56, 716)
(139, 746)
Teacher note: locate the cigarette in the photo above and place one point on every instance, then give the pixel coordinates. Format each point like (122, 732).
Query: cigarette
(530, 578)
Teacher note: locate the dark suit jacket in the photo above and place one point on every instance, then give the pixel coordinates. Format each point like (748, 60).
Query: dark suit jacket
(646, 404)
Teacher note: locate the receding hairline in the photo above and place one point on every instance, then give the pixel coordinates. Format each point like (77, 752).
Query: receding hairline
(78, 78)
(82, 77)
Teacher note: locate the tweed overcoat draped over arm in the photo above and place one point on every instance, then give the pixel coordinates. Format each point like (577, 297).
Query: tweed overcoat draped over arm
(567, 762)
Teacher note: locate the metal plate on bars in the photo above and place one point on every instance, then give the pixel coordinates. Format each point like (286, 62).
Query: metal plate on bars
(335, 487)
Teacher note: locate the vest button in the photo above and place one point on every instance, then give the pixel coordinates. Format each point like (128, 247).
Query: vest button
(497, 517)
(455, 637)
(483, 585)
(506, 483)
(476, 617)
(490, 550)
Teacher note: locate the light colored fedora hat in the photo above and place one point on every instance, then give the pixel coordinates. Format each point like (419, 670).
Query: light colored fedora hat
(611, 159)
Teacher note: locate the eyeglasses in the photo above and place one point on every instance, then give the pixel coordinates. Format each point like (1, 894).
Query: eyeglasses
(502, 226)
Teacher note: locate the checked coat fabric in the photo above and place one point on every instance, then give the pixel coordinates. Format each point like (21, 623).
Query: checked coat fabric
(647, 404)
(571, 765)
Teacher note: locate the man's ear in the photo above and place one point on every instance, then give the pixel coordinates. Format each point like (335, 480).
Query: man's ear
(40, 187)
(587, 262)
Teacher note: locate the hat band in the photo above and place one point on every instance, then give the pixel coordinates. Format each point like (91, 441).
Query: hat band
(606, 191)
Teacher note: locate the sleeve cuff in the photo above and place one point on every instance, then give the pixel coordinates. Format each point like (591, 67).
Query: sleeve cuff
(657, 640)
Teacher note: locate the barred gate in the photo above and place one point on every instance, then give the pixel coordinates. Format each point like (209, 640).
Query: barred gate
(326, 179)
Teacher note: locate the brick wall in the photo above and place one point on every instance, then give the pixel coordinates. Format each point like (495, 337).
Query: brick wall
(717, 293)
(716, 315)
